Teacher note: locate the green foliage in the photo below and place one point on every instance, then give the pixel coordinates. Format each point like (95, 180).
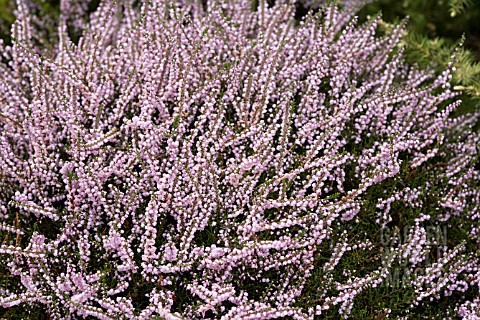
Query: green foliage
(6, 18)
(438, 30)
(457, 7)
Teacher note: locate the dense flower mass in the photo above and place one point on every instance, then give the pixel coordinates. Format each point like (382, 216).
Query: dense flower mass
(219, 159)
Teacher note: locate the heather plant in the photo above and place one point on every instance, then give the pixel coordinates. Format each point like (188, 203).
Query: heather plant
(219, 159)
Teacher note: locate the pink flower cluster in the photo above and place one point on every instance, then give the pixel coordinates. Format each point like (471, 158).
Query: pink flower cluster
(213, 150)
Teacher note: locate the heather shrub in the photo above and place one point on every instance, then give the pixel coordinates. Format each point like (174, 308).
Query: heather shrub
(220, 159)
